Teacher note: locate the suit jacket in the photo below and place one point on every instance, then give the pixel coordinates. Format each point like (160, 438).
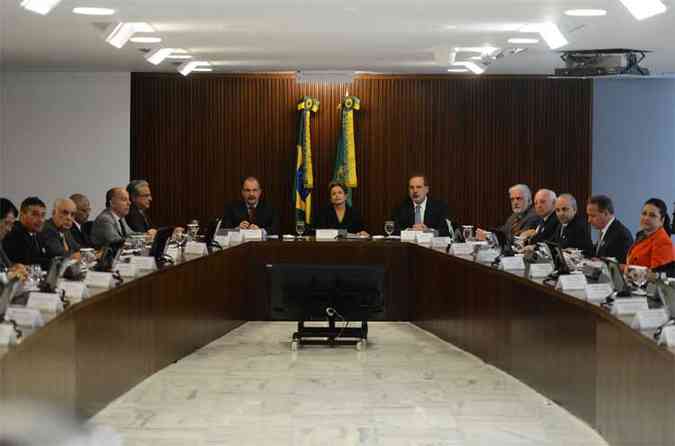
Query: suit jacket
(519, 222)
(5, 263)
(546, 230)
(106, 231)
(352, 221)
(616, 243)
(22, 247)
(266, 217)
(575, 235)
(435, 216)
(138, 220)
(52, 239)
(80, 236)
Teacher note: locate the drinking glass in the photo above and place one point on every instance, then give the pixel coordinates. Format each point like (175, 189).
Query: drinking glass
(300, 228)
(468, 233)
(389, 227)
(637, 274)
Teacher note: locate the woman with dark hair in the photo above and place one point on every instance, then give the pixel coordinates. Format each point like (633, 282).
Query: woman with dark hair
(8, 214)
(653, 248)
(339, 215)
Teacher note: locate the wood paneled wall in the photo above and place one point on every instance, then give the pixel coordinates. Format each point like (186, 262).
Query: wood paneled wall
(195, 138)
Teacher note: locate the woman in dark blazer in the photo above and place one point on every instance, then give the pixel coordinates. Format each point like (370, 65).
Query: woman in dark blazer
(339, 215)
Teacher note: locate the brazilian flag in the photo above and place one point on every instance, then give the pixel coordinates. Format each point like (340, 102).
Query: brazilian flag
(303, 181)
(345, 161)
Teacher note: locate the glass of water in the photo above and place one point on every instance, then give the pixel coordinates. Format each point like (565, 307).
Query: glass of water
(389, 227)
(300, 227)
(468, 233)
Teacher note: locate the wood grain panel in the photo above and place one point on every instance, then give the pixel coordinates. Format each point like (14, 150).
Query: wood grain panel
(195, 138)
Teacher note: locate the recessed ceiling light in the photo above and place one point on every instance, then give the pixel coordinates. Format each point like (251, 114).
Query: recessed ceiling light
(157, 57)
(457, 70)
(586, 12)
(643, 9)
(549, 32)
(202, 70)
(119, 34)
(146, 39)
(42, 7)
(93, 11)
(473, 67)
(485, 50)
(180, 56)
(188, 67)
(476, 58)
(523, 41)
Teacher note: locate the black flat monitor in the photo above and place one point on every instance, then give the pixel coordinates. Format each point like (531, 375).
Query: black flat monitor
(159, 243)
(616, 276)
(108, 256)
(301, 292)
(210, 235)
(559, 262)
(57, 268)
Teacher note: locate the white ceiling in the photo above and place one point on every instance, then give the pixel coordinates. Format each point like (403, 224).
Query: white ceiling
(287, 35)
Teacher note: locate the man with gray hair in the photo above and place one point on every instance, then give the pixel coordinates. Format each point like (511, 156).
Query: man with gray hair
(56, 236)
(523, 217)
(544, 207)
(140, 196)
(573, 231)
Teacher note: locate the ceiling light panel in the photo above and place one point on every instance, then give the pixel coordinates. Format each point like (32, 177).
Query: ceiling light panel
(119, 35)
(643, 9)
(473, 67)
(42, 7)
(145, 39)
(550, 32)
(188, 67)
(157, 57)
(586, 12)
(93, 11)
(523, 41)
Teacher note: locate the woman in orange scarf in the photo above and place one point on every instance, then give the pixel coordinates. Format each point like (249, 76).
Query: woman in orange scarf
(653, 248)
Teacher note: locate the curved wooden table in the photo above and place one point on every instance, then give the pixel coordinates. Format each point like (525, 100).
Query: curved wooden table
(589, 362)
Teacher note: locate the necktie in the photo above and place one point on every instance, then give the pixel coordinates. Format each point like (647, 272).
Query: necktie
(418, 214)
(562, 232)
(251, 214)
(122, 230)
(515, 227)
(66, 248)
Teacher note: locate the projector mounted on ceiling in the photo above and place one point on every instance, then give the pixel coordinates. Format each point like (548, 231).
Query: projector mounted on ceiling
(607, 62)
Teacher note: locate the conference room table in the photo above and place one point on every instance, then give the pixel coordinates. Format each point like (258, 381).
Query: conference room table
(575, 353)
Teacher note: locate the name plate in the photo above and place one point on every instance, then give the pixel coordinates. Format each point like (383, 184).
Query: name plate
(73, 290)
(513, 263)
(649, 319)
(222, 240)
(572, 282)
(409, 236)
(50, 302)
(477, 243)
(7, 334)
(540, 270)
(25, 317)
(96, 279)
(173, 252)
(127, 269)
(440, 242)
(424, 238)
(236, 238)
(487, 255)
(598, 292)
(668, 336)
(462, 249)
(251, 234)
(195, 249)
(326, 234)
(628, 306)
(144, 263)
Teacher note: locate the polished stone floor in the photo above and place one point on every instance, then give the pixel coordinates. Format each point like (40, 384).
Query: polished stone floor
(409, 388)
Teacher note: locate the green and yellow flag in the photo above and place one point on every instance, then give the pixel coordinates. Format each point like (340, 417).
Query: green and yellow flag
(345, 161)
(303, 181)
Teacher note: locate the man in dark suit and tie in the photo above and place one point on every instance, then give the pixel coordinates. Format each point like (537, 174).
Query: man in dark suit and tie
(420, 212)
(140, 196)
(22, 244)
(83, 209)
(572, 232)
(109, 226)
(544, 207)
(615, 239)
(251, 212)
(56, 236)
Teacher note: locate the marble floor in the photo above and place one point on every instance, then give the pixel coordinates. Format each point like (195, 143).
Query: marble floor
(409, 388)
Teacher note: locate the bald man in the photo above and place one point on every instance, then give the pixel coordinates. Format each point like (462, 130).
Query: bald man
(55, 235)
(544, 207)
(109, 226)
(573, 231)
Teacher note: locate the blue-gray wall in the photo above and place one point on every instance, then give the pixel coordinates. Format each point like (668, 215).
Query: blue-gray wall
(634, 143)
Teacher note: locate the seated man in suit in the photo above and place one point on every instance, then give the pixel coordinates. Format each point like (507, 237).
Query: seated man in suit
(8, 214)
(524, 216)
(615, 239)
(544, 207)
(56, 236)
(419, 212)
(109, 226)
(573, 229)
(22, 244)
(83, 209)
(251, 212)
(140, 196)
